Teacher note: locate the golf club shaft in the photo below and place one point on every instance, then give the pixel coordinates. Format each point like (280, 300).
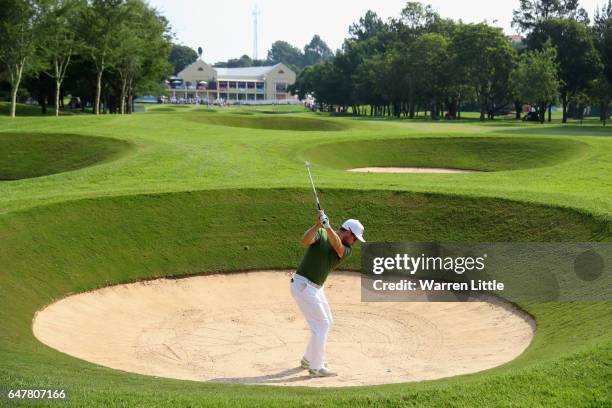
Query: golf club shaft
(314, 189)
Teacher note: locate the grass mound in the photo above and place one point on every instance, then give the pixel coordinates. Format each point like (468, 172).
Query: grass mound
(50, 251)
(26, 155)
(246, 120)
(485, 154)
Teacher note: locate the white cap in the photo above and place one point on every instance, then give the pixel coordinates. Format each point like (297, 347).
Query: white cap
(355, 227)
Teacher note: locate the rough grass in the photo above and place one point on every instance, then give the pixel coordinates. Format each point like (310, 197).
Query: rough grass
(485, 154)
(26, 155)
(191, 196)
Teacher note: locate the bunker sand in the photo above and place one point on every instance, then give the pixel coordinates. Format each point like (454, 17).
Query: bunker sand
(409, 170)
(246, 328)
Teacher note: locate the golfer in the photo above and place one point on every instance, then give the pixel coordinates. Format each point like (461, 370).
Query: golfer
(326, 249)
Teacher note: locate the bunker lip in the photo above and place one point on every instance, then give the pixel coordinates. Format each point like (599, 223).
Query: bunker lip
(245, 328)
(420, 170)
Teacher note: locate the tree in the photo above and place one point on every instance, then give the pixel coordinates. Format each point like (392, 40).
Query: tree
(243, 62)
(19, 28)
(371, 83)
(101, 38)
(317, 51)
(369, 37)
(577, 58)
(601, 88)
(326, 82)
(484, 60)
(600, 93)
(59, 23)
(535, 79)
(181, 56)
(286, 53)
(415, 20)
(143, 48)
(603, 38)
(369, 26)
(430, 58)
(532, 13)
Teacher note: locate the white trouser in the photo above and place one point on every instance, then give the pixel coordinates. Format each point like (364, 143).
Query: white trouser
(313, 304)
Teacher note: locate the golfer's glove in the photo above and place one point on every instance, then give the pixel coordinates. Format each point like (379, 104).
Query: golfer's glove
(324, 221)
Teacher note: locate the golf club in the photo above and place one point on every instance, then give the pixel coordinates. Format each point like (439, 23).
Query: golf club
(313, 186)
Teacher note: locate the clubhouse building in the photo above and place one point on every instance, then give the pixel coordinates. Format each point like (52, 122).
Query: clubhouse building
(253, 84)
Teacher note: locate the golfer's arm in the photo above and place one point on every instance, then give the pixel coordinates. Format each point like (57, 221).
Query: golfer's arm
(335, 242)
(310, 235)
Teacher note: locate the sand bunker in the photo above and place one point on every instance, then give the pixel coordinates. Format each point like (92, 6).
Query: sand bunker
(409, 170)
(246, 328)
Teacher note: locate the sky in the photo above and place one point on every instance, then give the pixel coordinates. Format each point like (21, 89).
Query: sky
(224, 28)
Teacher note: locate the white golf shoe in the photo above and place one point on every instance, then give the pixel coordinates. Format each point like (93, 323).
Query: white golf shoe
(322, 372)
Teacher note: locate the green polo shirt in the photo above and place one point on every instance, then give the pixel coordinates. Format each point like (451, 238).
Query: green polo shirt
(320, 258)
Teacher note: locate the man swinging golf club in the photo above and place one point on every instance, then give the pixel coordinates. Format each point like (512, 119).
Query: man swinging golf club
(326, 249)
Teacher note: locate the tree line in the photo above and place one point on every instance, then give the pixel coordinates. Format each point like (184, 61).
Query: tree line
(420, 61)
(315, 52)
(104, 51)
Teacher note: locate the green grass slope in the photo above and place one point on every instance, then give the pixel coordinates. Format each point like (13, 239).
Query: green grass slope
(26, 155)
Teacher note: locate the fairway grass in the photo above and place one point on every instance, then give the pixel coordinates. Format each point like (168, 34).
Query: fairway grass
(194, 197)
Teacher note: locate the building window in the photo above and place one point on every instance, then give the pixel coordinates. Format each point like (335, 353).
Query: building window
(200, 69)
(251, 85)
(232, 85)
(281, 87)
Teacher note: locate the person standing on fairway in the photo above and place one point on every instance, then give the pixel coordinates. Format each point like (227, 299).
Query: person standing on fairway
(326, 249)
